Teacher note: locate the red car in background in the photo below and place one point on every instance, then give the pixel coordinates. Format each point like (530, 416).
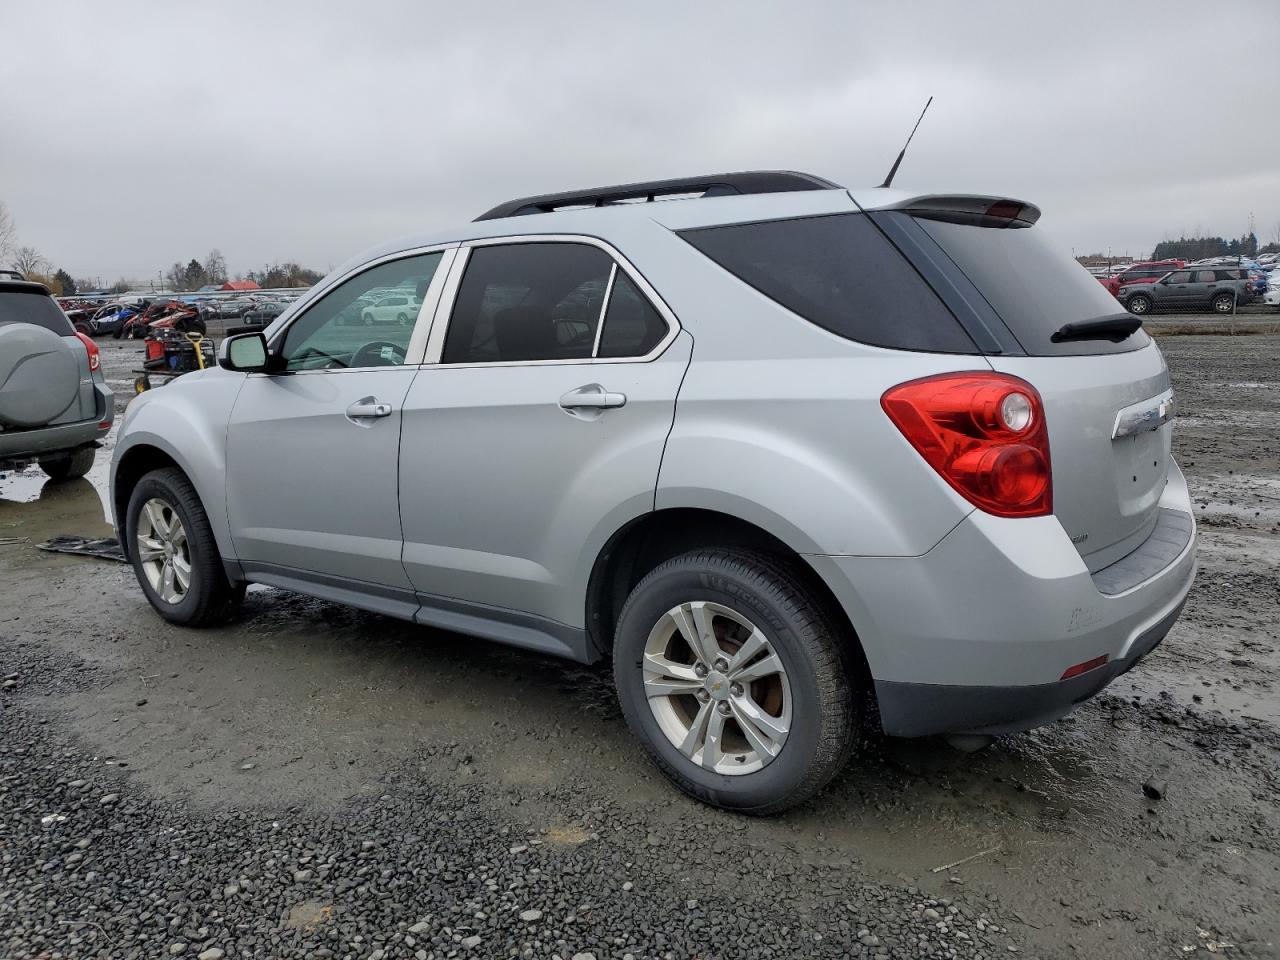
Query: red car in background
(1147, 271)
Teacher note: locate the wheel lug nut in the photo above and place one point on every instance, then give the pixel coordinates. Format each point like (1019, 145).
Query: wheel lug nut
(736, 689)
(700, 670)
(724, 707)
(722, 666)
(703, 696)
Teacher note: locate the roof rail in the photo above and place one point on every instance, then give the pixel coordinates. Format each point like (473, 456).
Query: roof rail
(714, 185)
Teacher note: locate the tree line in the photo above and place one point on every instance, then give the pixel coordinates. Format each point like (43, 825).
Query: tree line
(33, 265)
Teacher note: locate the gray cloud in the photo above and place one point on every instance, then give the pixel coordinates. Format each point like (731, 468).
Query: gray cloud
(132, 135)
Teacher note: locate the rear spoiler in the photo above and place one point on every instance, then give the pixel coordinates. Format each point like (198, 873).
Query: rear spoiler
(976, 210)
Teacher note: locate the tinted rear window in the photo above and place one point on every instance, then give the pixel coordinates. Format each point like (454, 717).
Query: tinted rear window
(840, 273)
(31, 306)
(1031, 284)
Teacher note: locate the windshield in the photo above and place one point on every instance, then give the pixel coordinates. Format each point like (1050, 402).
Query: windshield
(1034, 286)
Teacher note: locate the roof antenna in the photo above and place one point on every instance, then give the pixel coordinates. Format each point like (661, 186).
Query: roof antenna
(888, 181)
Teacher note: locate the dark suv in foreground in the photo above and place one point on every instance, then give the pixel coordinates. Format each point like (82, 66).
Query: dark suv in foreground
(1220, 289)
(54, 400)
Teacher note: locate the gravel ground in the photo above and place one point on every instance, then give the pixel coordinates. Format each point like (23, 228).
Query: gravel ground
(317, 781)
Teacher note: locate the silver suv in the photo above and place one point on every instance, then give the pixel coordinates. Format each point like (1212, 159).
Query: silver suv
(54, 401)
(788, 454)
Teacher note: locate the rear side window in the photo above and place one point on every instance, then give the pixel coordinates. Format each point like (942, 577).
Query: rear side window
(528, 301)
(840, 273)
(33, 306)
(1032, 285)
(632, 326)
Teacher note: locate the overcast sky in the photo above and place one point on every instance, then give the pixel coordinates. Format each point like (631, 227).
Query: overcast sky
(133, 135)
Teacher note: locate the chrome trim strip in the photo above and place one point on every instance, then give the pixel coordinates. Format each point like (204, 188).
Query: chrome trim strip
(1145, 415)
(604, 306)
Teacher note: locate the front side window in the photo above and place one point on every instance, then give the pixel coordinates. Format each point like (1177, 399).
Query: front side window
(343, 329)
(1204, 276)
(1181, 277)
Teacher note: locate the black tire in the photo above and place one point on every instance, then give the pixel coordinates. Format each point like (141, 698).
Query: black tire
(1223, 303)
(210, 597)
(69, 466)
(815, 653)
(1139, 304)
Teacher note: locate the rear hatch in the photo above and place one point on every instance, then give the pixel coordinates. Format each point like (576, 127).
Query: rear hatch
(1104, 384)
(39, 384)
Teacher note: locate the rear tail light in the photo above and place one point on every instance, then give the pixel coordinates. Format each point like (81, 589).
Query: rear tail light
(985, 435)
(95, 360)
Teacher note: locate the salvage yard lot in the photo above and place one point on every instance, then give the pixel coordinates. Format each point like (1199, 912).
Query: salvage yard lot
(317, 781)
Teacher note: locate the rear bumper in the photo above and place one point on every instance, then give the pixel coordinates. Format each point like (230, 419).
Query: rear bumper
(23, 445)
(975, 635)
(922, 709)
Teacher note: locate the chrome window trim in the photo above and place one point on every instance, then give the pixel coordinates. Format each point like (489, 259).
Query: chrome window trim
(417, 345)
(444, 311)
(604, 308)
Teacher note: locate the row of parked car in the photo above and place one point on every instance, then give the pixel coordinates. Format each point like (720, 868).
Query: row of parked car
(1219, 284)
(117, 317)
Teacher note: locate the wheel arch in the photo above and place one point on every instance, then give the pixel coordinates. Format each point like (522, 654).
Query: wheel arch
(648, 540)
(152, 453)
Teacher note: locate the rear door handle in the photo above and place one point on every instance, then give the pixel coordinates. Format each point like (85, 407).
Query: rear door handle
(592, 396)
(368, 408)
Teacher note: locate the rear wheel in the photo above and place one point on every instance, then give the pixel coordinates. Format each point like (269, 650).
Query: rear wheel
(1139, 304)
(1223, 303)
(736, 680)
(174, 554)
(68, 466)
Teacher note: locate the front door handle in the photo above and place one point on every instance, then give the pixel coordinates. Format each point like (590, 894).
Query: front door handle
(592, 396)
(368, 408)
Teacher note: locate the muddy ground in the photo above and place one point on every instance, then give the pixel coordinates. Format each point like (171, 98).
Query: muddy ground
(336, 729)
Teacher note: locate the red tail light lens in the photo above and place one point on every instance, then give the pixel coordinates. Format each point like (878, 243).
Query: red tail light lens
(984, 433)
(95, 359)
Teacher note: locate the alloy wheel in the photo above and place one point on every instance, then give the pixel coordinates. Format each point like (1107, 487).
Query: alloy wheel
(717, 688)
(163, 551)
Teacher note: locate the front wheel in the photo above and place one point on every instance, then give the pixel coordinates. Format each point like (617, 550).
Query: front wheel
(1223, 303)
(68, 466)
(1139, 304)
(736, 680)
(174, 554)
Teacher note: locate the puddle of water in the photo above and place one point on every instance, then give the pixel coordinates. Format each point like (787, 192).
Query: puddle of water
(32, 485)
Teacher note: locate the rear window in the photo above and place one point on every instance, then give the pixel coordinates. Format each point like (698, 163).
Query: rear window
(1032, 285)
(840, 273)
(33, 306)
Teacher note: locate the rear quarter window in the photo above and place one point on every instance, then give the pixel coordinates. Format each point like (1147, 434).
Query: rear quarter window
(840, 273)
(35, 307)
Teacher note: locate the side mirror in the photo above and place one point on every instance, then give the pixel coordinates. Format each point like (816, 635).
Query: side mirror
(245, 353)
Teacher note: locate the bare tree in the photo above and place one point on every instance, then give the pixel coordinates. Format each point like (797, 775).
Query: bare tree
(1275, 233)
(28, 260)
(215, 267)
(8, 232)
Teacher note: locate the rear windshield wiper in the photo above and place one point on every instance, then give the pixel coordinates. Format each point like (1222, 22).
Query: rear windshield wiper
(1115, 329)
